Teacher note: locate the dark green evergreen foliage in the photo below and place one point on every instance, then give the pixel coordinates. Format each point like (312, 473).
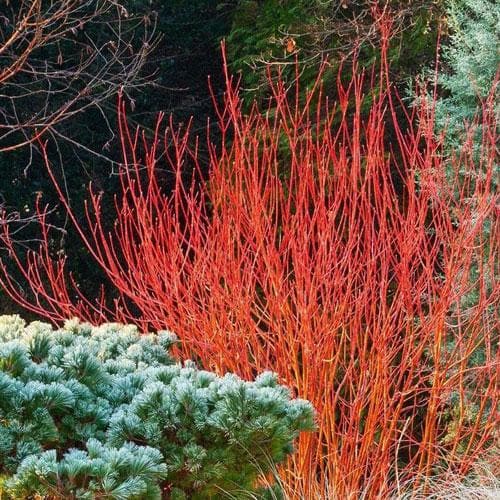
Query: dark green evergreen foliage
(310, 31)
(89, 412)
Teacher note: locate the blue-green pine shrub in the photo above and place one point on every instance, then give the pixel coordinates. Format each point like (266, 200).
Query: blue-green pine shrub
(104, 412)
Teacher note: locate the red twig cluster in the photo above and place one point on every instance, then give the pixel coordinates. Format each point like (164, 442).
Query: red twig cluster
(329, 245)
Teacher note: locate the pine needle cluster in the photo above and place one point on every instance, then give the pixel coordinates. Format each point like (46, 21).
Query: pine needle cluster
(104, 412)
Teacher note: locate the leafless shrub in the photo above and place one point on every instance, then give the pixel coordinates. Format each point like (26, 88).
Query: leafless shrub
(59, 58)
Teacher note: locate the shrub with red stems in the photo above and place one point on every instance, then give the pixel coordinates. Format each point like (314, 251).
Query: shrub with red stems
(326, 243)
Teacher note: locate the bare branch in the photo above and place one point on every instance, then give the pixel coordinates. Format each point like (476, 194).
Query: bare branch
(59, 58)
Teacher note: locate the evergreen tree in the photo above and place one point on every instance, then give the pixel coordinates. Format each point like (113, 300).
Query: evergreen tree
(471, 61)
